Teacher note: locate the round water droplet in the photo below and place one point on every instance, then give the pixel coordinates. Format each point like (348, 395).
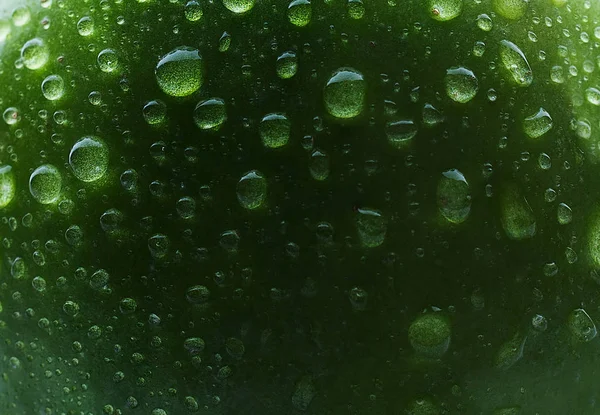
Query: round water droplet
(287, 65)
(251, 190)
(356, 9)
(210, 114)
(193, 11)
(180, 72)
(155, 112)
(432, 116)
(461, 84)
(35, 53)
(53, 87)
(8, 187)
(194, 345)
(581, 325)
(429, 334)
(299, 12)
(401, 132)
(158, 245)
(538, 124)
(515, 63)
(239, 6)
(593, 95)
(319, 165)
(275, 130)
(510, 9)
(89, 159)
(45, 184)
(484, 22)
(197, 294)
(108, 60)
(564, 214)
(99, 279)
(21, 16)
(11, 116)
(444, 10)
(186, 207)
(371, 226)
(544, 161)
(345, 92)
(517, 216)
(85, 26)
(454, 196)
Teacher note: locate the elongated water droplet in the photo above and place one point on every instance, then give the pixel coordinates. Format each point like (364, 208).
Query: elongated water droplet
(515, 63)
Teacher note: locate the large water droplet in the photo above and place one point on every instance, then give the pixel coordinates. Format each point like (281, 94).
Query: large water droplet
(345, 93)
(515, 63)
(35, 53)
(287, 65)
(454, 196)
(319, 165)
(581, 326)
(45, 184)
(371, 226)
(239, 6)
(89, 159)
(538, 124)
(251, 190)
(7, 185)
(180, 72)
(85, 26)
(53, 87)
(401, 132)
(444, 10)
(275, 130)
(517, 216)
(299, 12)
(461, 84)
(429, 334)
(210, 114)
(108, 60)
(510, 9)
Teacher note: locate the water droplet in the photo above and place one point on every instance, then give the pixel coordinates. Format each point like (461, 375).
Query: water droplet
(517, 216)
(224, 42)
(239, 6)
(304, 393)
(8, 187)
(484, 22)
(461, 84)
(53, 87)
(299, 12)
(538, 124)
(155, 112)
(193, 11)
(515, 63)
(444, 10)
(275, 130)
(564, 214)
(581, 325)
(356, 9)
(429, 334)
(210, 114)
(593, 95)
(158, 245)
(287, 65)
(510, 9)
(85, 26)
(99, 280)
(180, 72)
(401, 132)
(108, 60)
(345, 92)
(186, 207)
(432, 116)
(197, 294)
(319, 165)
(251, 190)
(510, 352)
(45, 184)
(89, 159)
(371, 226)
(544, 161)
(35, 53)
(21, 16)
(454, 196)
